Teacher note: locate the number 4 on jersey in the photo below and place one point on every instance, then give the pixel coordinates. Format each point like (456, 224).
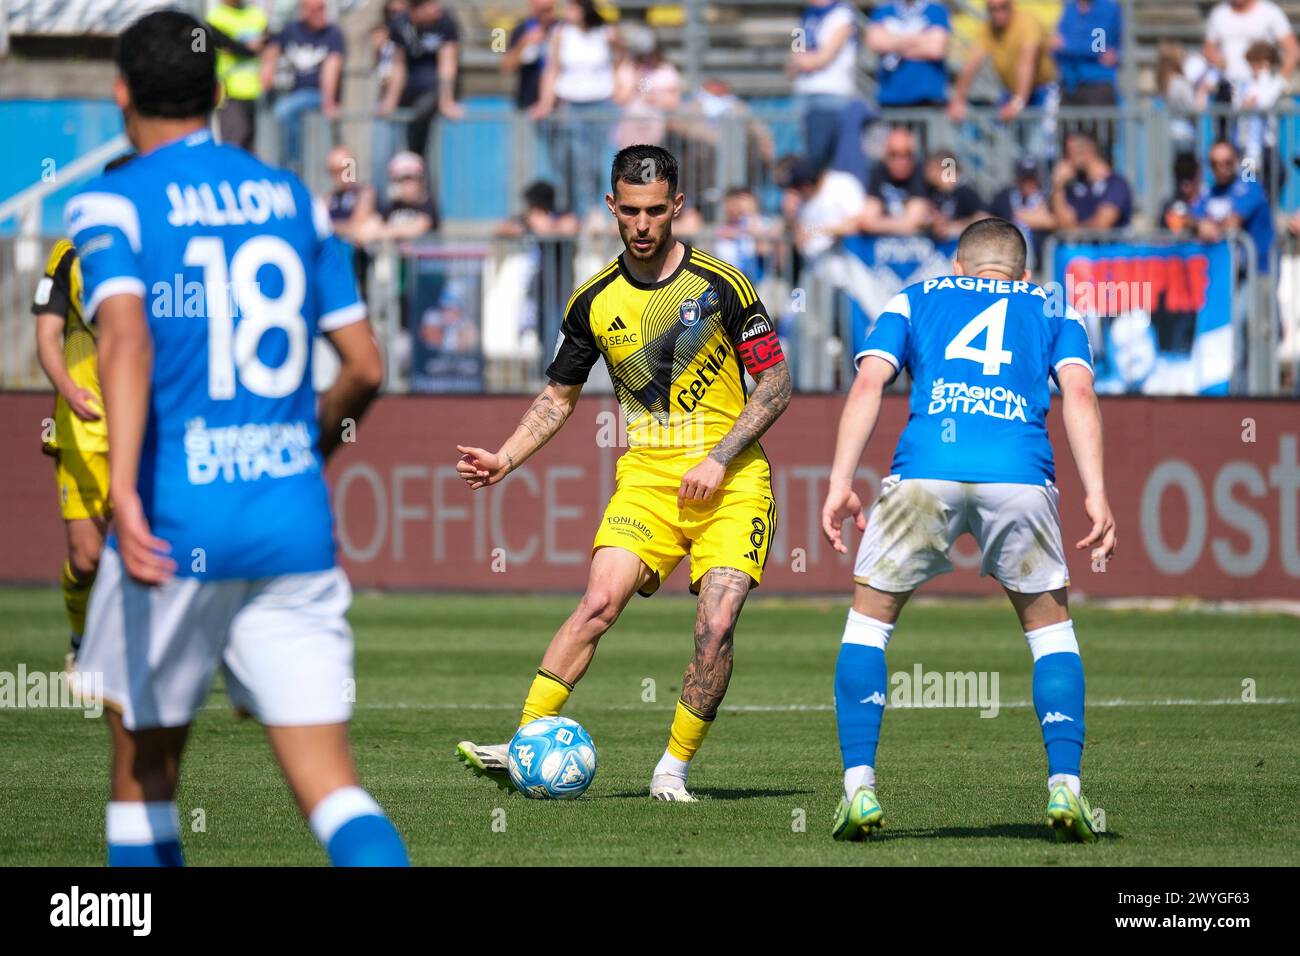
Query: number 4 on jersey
(993, 356)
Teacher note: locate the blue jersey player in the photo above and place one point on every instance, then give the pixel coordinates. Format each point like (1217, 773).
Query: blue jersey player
(209, 275)
(980, 347)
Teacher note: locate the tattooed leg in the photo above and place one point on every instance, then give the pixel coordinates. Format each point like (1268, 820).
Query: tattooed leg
(722, 595)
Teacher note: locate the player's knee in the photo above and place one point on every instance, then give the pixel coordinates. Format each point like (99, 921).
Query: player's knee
(84, 559)
(713, 633)
(599, 608)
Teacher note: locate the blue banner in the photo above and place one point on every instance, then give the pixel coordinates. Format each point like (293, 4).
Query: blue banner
(876, 268)
(1159, 316)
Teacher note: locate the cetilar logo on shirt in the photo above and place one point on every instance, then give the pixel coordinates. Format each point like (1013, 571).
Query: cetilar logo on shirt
(995, 401)
(246, 452)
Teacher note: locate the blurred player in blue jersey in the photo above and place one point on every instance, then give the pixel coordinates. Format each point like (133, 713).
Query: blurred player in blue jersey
(974, 457)
(208, 275)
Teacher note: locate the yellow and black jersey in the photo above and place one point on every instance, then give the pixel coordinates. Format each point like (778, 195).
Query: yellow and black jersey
(59, 291)
(676, 350)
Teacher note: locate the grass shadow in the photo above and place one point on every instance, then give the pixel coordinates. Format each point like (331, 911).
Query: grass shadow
(996, 831)
(713, 793)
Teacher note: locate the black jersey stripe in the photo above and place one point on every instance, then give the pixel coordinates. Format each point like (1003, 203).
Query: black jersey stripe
(742, 285)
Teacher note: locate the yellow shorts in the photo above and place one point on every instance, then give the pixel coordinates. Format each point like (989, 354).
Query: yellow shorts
(82, 479)
(733, 530)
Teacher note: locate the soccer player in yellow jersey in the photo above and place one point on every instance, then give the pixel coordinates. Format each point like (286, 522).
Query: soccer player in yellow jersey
(65, 346)
(677, 329)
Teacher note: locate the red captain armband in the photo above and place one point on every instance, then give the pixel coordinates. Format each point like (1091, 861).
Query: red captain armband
(759, 347)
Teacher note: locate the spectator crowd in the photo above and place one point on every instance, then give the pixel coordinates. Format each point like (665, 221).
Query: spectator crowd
(589, 83)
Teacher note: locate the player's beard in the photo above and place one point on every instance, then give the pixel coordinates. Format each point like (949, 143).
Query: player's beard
(658, 244)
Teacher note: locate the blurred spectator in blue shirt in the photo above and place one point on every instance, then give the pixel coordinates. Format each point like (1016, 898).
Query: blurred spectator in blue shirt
(1189, 188)
(1234, 202)
(1087, 46)
(911, 39)
(824, 70)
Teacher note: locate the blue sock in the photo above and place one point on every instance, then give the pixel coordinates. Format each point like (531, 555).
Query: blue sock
(145, 854)
(355, 832)
(1058, 696)
(144, 834)
(861, 682)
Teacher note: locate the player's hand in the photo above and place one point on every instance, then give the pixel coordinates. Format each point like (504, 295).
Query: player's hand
(83, 403)
(1101, 539)
(701, 482)
(451, 109)
(478, 468)
(145, 556)
(841, 502)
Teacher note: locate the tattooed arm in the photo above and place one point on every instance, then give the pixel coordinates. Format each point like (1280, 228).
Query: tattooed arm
(546, 416)
(771, 397)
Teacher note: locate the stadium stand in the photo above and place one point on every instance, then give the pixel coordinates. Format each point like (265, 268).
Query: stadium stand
(58, 68)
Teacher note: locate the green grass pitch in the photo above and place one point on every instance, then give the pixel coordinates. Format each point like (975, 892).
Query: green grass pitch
(1185, 771)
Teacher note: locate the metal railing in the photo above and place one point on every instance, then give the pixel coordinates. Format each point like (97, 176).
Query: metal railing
(1288, 296)
(480, 163)
(457, 315)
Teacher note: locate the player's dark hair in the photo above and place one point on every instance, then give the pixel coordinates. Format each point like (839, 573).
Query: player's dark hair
(642, 165)
(168, 60)
(996, 242)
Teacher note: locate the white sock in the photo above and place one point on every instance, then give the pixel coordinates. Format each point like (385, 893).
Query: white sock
(867, 631)
(855, 777)
(1066, 778)
(1053, 639)
(139, 824)
(342, 806)
(671, 765)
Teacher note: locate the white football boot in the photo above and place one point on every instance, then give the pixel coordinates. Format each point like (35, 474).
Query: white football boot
(670, 788)
(490, 761)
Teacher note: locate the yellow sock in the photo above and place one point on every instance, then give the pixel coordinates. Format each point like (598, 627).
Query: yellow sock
(688, 731)
(76, 594)
(546, 697)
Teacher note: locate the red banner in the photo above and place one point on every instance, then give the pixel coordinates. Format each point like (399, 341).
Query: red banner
(1205, 494)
